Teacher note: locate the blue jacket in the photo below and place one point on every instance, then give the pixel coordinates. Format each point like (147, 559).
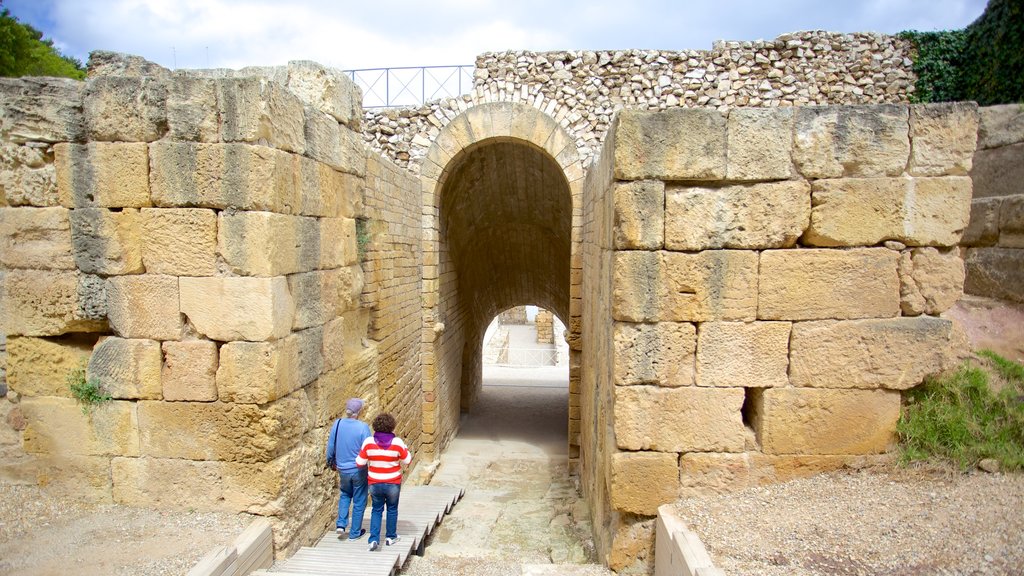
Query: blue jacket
(343, 445)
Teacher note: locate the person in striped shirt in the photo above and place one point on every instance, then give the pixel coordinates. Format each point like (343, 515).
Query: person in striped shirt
(384, 454)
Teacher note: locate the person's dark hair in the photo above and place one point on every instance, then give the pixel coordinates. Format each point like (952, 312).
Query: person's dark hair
(384, 422)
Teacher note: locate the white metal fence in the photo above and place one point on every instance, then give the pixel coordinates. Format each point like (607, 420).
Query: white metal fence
(528, 357)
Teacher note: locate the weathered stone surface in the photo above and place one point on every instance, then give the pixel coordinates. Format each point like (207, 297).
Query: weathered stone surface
(326, 89)
(338, 243)
(215, 431)
(107, 242)
(104, 63)
(322, 295)
(36, 109)
(333, 144)
(44, 303)
(822, 421)
(998, 171)
(931, 281)
(943, 137)
(37, 238)
(679, 419)
(168, 483)
(27, 176)
(748, 355)
(102, 175)
(983, 228)
(125, 109)
(58, 426)
(837, 141)
(1011, 222)
(678, 144)
(760, 144)
(192, 113)
(642, 481)
(632, 545)
(127, 369)
(254, 109)
(995, 272)
(288, 482)
(323, 191)
(260, 243)
(86, 478)
(179, 241)
(821, 284)
(1000, 125)
(258, 372)
(660, 354)
(673, 286)
(223, 176)
(640, 215)
(869, 211)
(189, 371)
(894, 353)
(227, 309)
(41, 366)
(769, 215)
(144, 306)
(710, 473)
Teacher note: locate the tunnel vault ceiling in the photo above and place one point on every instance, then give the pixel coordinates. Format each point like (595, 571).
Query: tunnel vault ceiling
(506, 215)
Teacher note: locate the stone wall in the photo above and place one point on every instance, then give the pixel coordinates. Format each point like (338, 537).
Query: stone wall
(582, 90)
(773, 279)
(545, 323)
(994, 240)
(191, 240)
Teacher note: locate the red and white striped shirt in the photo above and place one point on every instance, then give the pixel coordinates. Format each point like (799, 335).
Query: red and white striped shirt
(385, 464)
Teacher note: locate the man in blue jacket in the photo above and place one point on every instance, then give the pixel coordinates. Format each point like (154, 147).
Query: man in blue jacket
(347, 435)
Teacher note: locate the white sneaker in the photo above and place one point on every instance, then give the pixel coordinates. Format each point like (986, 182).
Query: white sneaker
(373, 546)
(390, 541)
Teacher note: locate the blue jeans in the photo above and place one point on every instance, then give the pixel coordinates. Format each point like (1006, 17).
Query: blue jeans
(353, 491)
(381, 495)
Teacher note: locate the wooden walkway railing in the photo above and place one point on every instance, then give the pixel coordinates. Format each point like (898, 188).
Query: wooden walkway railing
(420, 510)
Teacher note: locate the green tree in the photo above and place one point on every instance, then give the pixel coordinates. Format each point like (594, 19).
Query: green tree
(23, 52)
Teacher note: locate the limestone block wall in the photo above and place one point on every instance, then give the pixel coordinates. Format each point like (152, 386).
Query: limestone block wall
(773, 279)
(545, 323)
(994, 240)
(191, 239)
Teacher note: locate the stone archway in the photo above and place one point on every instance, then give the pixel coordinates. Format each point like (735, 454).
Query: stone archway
(502, 203)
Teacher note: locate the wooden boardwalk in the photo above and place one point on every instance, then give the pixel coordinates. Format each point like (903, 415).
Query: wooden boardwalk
(420, 510)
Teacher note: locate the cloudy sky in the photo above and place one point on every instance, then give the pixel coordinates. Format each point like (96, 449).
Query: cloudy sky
(389, 33)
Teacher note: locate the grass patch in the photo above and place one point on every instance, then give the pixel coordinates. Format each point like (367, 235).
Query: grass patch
(88, 392)
(962, 418)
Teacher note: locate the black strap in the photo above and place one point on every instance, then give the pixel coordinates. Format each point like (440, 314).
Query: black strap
(336, 422)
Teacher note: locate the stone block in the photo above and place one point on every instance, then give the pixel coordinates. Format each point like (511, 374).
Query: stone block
(892, 353)
(826, 421)
(709, 473)
(642, 481)
(107, 242)
(931, 281)
(1011, 222)
(640, 215)
(660, 354)
(127, 369)
(189, 371)
(325, 192)
(168, 483)
(288, 481)
(41, 366)
(748, 355)
(36, 238)
(760, 144)
(102, 175)
(257, 109)
(998, 171)
(822, 284)
(322, 295)
(983, 227)
(676, 144)
(632, 545)
(144, 306)
(995, 273)
(27, 175)
(192, 109)
(125, 109)
(215, 431)
(85, 478)
(58, 426)
(1000, 125)
(337, 243)
(261, 243)
(838, 141)
(328, 90)
(233, 308)
(34, 109)
(685, 419)
(179, 241)
(223, 176)
(943, 137)
(754, 216)
(869, 211)
(45, 303)
(258, 372)
(709, 285)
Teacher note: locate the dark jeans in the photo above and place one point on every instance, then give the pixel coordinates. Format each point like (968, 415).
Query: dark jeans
(384, 495)
(353, 491)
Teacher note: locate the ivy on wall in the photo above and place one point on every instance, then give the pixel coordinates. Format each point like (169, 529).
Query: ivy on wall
(983, 62)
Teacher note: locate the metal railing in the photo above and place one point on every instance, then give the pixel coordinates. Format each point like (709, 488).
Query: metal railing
(528, 357)
(411, 86)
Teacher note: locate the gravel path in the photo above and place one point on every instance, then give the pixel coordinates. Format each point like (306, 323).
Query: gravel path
(870, 522)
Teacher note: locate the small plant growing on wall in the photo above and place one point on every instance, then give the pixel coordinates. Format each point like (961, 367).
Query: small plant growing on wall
(87, 391)
(362, 236)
